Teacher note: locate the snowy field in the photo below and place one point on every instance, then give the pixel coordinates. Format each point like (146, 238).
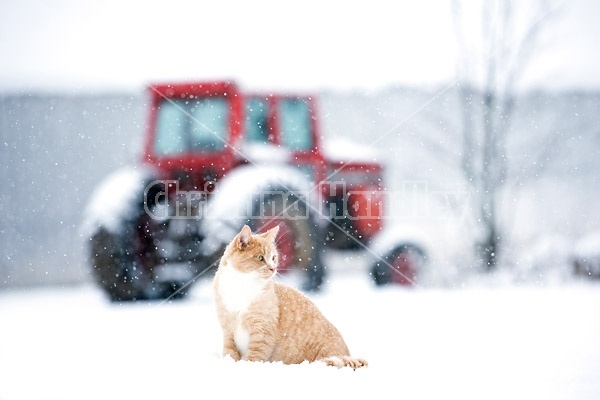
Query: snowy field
(480, 342)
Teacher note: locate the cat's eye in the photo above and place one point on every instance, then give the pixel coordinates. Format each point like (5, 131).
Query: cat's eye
(260, 258)
(273, 258)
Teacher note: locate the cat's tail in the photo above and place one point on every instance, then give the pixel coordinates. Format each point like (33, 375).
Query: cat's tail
(344, 361)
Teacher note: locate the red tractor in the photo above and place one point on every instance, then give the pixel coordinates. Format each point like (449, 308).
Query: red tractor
(214, 159)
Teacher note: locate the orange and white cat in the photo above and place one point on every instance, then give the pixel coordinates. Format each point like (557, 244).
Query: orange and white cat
(263, 320)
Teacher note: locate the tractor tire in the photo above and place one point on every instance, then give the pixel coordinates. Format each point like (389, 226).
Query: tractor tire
(124, 273)
(299, 239)
(123, 261)
(401, 266)
(108, 267)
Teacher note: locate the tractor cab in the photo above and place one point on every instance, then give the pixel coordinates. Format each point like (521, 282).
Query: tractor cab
(196, 130)
(283, 129)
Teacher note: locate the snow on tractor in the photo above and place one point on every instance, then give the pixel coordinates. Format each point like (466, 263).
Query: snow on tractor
(215, 159)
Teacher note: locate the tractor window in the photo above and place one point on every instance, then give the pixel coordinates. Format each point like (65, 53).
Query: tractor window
(170, 132)
(295, 124)
(256, 121)
(191, 126)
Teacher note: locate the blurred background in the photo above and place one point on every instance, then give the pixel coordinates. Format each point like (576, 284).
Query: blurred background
(495, 100)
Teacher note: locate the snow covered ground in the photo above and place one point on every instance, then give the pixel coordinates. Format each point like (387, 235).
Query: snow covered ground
(479, 342)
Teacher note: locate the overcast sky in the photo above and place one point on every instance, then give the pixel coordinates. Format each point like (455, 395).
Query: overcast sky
(279, 45)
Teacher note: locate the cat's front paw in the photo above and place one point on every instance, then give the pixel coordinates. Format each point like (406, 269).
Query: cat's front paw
(234, 354)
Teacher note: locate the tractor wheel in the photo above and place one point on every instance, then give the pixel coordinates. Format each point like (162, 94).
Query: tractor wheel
(124, 272)
(106, 257)
(400, 266)
(298, 240)
(124, 262)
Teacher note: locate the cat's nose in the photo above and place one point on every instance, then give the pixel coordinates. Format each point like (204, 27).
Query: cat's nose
(272, 268)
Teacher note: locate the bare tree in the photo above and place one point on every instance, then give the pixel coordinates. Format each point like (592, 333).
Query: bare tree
(492, 59)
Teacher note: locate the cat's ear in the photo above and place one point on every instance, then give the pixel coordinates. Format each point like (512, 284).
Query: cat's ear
(244, 237)
(271, 234)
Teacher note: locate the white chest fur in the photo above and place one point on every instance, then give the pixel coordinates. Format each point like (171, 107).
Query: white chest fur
(241, 336)
(238, 289)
